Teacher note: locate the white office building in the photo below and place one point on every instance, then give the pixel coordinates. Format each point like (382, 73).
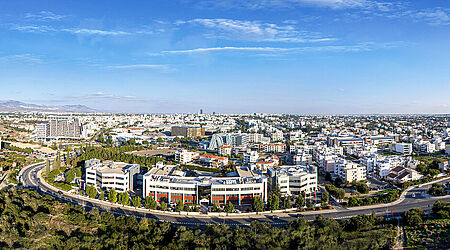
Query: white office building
(168, 184)
(350, 171)
(184, 156)
(293, 180)
(111, 175)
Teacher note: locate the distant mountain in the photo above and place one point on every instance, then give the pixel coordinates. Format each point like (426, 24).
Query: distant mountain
(16, 106)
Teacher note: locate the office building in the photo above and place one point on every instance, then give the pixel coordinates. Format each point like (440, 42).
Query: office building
(168, 184)
(186, 131)
(293, 179)
(111, 175)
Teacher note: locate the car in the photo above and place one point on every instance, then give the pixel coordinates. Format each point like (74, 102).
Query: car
(275, 217)
(413, 195)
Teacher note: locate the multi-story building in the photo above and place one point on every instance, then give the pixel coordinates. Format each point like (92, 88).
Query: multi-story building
(59, 127)
(214, 160)
(403, 148)
(234, 140)
(293, 179)
(186, 131)
(250, 157)
(166, 183)
(184, 156)
(42, 130)
(111, 175)
(349, 171)
(225, 149)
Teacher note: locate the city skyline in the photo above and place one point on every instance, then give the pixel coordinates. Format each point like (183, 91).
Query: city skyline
(285, 56)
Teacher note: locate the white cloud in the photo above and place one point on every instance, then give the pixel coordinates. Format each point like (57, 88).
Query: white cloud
(84, 31)
(434, 16)
(23, 58)
(242, 30)
(44, 16)
(334, 4)
(102, 95)
(141, 66)
(281, 51)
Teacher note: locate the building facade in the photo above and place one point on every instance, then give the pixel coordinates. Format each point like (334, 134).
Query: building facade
(111, 175)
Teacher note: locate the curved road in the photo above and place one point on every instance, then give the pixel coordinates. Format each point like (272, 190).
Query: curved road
(31, 179)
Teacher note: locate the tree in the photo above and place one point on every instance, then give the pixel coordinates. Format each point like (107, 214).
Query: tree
(101, 195)
(91, 191)
(229, 207)
(274, 202)
(136, 201)
(437, 190)
(163, 206)
(215, 208)
(413, 217)
(300, 201)
(47, 167)
(257, 204)
(69, 175)
(112, 196)
(57, 162)
(150, 203)
(286, 203)
(353, 201)
(324, 199)
(362, 187)
(180, 205)
(277, 190)
(124, 199)
(340, 193)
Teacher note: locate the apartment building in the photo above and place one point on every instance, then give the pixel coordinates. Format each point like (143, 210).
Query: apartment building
(111, 175)
(293, 180)
(59, 127)
(166, 183)
(225, 149)
(187, 131)
(350, 171)
(184, 156)
(251, 157)
(402, 148)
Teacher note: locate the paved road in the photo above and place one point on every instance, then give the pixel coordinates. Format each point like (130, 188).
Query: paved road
(30, 179)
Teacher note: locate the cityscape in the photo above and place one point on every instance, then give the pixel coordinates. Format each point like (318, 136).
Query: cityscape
(306, 124)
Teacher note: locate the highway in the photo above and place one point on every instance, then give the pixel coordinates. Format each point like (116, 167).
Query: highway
(31, 180)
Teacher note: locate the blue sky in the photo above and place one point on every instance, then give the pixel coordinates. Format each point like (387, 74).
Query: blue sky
(276, 56)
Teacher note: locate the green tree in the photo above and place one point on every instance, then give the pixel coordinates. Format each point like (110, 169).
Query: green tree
(286, 203)
(163, 206)
(69, 175)
(91, 191)
(324, 199)
(112, 196)
(124, 199)
(47, 166)
(180, 205)
(150, 203)
(274, 203)
(215, 208)
(101, 195)
(300, 201)
(413, 217)
(229, 207)
(257, 204)
(136, 201)
(340, 193)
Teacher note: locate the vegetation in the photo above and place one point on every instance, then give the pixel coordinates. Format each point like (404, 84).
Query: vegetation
(437, 190)
(150, 203)
(29, 220)
(338, 193)
(258, 204)
(381, 197)
(116, 154)
(428, 231)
